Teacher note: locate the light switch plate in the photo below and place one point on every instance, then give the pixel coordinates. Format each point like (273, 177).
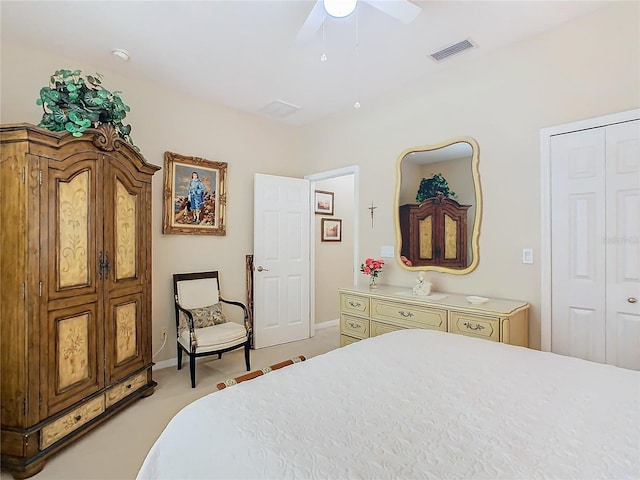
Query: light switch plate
(527, 255)
(386, 251)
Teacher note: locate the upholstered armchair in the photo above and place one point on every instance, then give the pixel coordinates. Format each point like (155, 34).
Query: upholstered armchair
(201, 325)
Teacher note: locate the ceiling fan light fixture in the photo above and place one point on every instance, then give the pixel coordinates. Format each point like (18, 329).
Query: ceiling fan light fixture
(339, 8)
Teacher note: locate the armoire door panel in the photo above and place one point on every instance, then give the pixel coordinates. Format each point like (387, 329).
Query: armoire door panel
(76, 366)
(126, 231)
(124, 335)
(125, 235)
(70, 215)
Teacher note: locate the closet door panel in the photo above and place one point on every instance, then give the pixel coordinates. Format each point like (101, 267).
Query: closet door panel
(623, 244)
(578, 229)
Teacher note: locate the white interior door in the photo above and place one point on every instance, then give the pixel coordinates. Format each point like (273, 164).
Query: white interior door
(281, 260)
(578, 254)
(595, 229)
(623, 244)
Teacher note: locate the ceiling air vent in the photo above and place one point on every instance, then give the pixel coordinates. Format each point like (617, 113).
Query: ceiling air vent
(452, 50)
(279, 109)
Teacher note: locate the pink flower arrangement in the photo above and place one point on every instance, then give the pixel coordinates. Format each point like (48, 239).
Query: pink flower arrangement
(372, 267)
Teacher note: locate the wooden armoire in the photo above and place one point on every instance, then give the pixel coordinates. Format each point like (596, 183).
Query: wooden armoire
(435, 232)
(75, 296)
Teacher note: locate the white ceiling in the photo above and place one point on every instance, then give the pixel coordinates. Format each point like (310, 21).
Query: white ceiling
(244, 54)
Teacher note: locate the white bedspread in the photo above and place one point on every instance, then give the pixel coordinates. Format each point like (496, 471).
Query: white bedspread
(413, 404)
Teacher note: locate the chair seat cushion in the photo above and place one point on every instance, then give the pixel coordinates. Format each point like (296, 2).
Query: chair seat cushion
(215, 337)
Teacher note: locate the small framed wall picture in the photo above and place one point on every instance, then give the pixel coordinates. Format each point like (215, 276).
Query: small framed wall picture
(323, 202)
(331, 230)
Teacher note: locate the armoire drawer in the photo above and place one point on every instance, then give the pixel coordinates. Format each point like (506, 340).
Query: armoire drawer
(71, 421)
(475, 326)
(355, 304)
(408, 315)
(354, 326)
(121, 390)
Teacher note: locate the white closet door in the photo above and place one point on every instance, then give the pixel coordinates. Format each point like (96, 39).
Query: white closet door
(623, 244)
(578, 258)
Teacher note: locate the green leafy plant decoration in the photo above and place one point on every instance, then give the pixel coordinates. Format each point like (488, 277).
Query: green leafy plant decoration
(430, 187)
(74, 103)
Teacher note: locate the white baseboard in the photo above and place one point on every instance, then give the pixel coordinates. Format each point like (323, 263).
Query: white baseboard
(173, 362)
(327, 324)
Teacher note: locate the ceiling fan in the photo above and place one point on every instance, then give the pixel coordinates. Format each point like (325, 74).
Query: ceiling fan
(402, 10)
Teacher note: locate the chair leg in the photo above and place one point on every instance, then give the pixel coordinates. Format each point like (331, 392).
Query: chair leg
(247, 348)
(192, 369)
(179, 357)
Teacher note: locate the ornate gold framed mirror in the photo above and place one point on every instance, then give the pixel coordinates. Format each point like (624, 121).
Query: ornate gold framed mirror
(438, 207)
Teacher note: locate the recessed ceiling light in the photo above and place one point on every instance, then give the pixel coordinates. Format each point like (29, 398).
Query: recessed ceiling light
(121, 54)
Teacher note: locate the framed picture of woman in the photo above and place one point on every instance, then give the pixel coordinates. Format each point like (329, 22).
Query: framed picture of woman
(195, 195)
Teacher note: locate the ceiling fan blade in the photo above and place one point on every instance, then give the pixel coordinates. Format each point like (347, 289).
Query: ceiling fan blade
(402, 10)
(312, 23)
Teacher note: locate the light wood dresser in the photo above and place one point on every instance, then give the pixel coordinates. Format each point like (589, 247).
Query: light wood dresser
(366, 312)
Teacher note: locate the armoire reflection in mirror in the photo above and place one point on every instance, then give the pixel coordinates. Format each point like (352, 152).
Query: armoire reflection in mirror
(438, 205)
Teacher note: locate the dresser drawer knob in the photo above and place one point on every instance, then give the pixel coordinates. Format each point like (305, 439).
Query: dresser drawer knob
(355, 304)
(471, 327)
(355, 325)
(405, 314)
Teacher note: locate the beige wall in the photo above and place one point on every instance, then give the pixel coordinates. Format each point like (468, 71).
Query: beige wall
(586, 68)
(163, 120)
(334, 260)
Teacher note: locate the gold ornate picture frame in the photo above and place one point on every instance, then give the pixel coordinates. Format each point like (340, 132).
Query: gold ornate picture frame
(195, 196)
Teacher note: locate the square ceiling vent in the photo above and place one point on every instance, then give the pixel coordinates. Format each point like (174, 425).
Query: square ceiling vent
(279, 109)
(451, 50)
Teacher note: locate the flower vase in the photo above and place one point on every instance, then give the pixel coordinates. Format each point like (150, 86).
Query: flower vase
(372, 282)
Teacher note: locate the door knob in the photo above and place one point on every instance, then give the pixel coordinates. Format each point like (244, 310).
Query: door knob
(261, 269)
(632, 299)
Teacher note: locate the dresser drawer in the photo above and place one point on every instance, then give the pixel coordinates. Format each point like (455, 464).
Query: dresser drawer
(355, 304)
(346, 340)
(408, 315)
(378, 328)
(71, 421)
(354, 326)
(118, 392)
(475, 325)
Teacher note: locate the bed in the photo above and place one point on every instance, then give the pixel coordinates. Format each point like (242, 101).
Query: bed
(412, 404)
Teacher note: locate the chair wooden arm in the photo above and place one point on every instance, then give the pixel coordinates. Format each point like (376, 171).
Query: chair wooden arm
(244, 309)
(188, 314)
